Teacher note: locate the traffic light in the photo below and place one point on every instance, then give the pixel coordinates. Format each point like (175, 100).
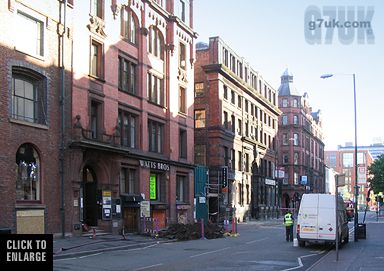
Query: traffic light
(224, 174)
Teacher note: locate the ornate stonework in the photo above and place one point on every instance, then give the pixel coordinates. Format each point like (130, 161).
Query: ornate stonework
(97, 26)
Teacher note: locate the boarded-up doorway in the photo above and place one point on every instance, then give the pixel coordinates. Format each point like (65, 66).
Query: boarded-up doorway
(130, 219)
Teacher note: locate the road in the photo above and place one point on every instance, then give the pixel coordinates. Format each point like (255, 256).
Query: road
(257, 247)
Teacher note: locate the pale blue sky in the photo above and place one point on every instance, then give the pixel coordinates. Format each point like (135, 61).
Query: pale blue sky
(270, 36)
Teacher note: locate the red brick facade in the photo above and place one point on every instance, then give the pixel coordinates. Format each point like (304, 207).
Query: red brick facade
(30, 116)
(237, 131)
(301, 146)
(128, 116)
(129, 139)
(343, 161)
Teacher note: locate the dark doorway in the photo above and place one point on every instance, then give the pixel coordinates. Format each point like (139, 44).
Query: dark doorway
(286, 201)
(90, 197)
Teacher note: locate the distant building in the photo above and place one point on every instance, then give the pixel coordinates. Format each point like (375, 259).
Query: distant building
(236, 117)
(301, 146)
(343, 162)
(375, 149)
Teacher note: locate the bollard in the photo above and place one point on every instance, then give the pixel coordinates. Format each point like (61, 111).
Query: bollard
(295, 242)
(226, 225)
(94, 233)
(202, 228)
(234, 230)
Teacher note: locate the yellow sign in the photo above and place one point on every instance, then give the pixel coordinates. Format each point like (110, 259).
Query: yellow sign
(107, 193)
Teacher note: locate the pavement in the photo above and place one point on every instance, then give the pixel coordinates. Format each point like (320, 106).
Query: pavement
(363, 255)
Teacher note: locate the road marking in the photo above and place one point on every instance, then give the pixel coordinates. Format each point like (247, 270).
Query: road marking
(209, 252)
(90, 255)
(141, 248)
(123, 248)
(300, 262)
(65, 259)
(148, 266)
(318, 261)
(257, 240)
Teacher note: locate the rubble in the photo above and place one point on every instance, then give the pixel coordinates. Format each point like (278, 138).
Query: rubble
(184, 232)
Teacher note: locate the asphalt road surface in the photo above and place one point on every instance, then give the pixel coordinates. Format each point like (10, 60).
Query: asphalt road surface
(257, 247)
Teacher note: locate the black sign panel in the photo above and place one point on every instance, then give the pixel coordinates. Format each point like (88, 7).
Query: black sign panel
(31, 251)
(224, 174)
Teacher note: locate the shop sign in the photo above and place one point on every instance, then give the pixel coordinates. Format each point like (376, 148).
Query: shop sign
(154, 165)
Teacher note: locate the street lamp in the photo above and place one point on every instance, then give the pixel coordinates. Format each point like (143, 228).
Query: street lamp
(356, 219)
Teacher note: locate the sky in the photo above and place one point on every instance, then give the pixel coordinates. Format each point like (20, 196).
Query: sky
(275, 35)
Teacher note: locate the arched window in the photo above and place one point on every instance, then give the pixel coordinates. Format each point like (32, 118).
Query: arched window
(28, 177)
(29, 101)
(156, 42)
(129, 25)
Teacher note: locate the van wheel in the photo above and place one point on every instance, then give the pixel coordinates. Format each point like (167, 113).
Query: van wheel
(301, 243)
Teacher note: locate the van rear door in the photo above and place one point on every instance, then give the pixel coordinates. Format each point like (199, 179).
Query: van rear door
(307, 219)
(326, 218)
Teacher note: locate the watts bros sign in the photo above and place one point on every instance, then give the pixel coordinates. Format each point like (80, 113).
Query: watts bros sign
(154, 165)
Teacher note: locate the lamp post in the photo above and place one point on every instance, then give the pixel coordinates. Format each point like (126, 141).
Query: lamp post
(356, 188)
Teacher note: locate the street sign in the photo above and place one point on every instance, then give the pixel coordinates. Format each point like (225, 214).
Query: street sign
(361, 174)
(304, 180)
(224, 176)
(340, 180)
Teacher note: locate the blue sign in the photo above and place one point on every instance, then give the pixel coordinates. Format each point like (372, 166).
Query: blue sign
(304, 180)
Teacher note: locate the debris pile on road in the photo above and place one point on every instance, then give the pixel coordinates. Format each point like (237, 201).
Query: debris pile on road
(184, 232)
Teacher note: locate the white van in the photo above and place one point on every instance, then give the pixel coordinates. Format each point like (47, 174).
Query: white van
(316, 220)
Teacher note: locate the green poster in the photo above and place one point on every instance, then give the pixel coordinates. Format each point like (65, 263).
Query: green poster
(152, 187)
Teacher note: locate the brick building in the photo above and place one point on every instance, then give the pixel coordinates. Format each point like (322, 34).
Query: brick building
(91, 139)
(301, 147)
(342, 161)
(33, 75)
(236, 117)
(131, 141)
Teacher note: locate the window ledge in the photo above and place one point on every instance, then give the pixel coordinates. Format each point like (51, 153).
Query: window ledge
(29, 204)
(94, 77)
(39, 57)
(32, 124)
